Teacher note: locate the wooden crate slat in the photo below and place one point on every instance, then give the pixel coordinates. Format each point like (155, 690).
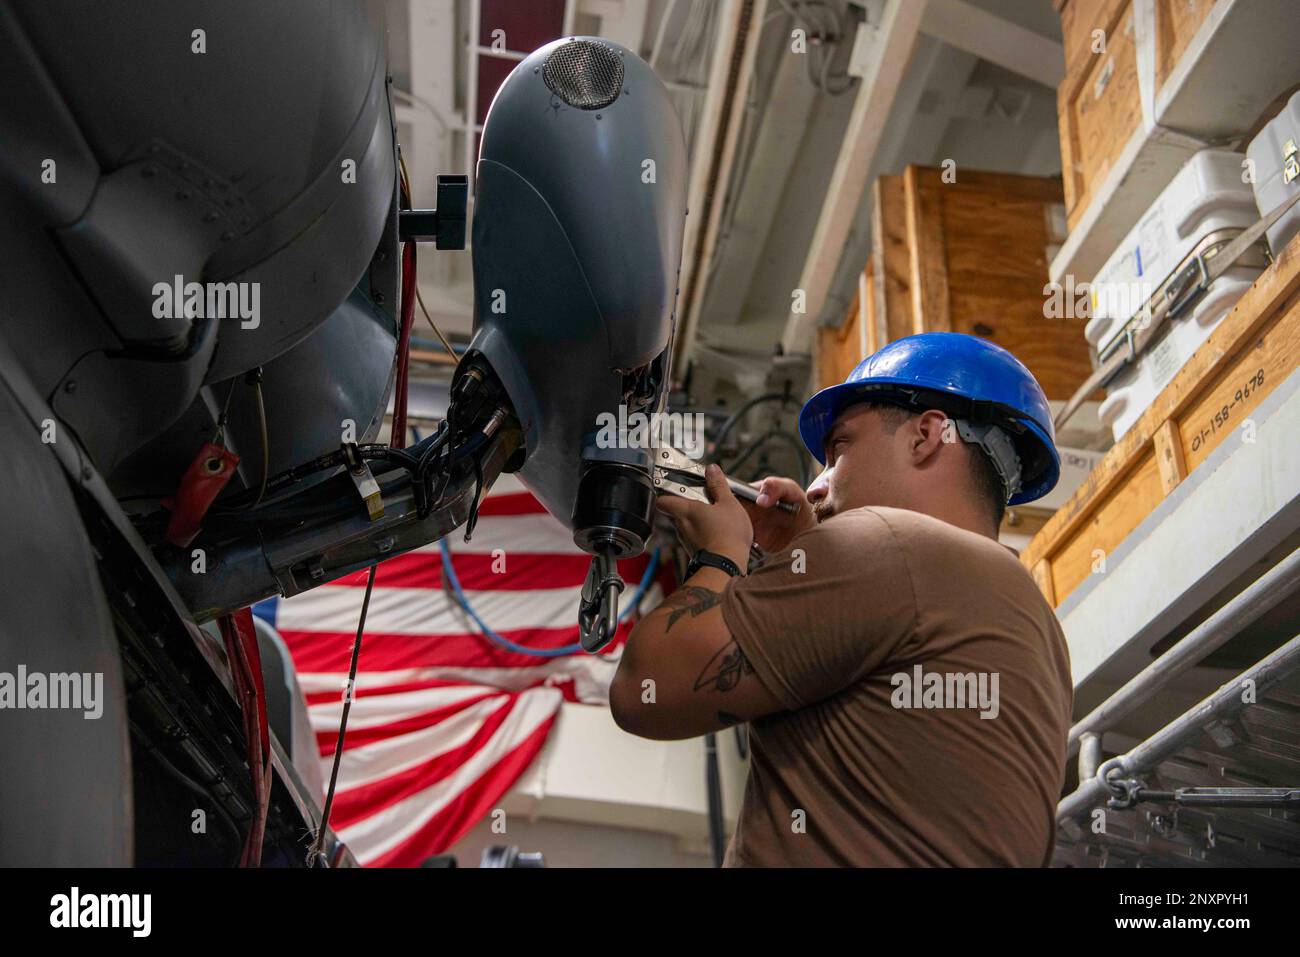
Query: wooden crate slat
(1169, 456)
(890, 262)
(927, 255)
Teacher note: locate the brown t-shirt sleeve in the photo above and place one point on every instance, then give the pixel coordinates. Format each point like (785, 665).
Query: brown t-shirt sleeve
(832, 608)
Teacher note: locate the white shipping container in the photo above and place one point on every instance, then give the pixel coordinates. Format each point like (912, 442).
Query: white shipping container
(1209, 193)
(1275, 161)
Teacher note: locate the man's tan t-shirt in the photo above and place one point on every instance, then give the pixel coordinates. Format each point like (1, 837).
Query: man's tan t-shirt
(861, 613)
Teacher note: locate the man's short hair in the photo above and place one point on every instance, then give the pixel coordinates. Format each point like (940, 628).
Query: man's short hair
(984, 474)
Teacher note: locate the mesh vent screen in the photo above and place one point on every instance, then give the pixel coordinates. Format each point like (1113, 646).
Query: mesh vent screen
(585, 75)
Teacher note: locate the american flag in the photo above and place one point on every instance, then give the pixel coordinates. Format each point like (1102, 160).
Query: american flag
(444, 720)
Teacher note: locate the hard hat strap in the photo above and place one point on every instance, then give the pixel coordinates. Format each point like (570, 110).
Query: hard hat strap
(1000, 449)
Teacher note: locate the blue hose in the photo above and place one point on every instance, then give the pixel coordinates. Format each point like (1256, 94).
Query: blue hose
(509, 645)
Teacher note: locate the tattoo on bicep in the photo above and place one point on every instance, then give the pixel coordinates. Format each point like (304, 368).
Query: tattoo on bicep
(689, 600)
(725, 669)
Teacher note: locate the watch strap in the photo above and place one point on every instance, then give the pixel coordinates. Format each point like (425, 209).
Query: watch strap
(704, 557)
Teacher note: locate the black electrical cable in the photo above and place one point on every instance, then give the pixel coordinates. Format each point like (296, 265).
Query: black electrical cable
(255, 379)
(478, 499)
(726, 427)
(800, 453)
(761, 441)
(746, 452)
(317, 852)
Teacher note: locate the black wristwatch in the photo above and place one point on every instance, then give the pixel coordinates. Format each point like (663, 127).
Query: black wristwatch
(713, 560)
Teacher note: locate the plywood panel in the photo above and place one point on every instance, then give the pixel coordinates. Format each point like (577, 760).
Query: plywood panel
(977, 263)
(839, 348)
(874, 332)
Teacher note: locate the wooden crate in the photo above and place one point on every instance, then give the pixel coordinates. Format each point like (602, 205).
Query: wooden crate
(971, 256)
(1175, 77)
(1100, 102)
(1208, 402)
(1099, 107)
(1080, 19)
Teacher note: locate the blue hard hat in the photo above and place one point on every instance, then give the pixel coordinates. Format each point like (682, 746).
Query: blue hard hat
(966, 377)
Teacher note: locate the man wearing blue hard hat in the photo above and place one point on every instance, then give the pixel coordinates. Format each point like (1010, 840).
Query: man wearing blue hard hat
(907, 686)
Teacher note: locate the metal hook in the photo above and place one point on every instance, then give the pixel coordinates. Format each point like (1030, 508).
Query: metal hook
(598, 611)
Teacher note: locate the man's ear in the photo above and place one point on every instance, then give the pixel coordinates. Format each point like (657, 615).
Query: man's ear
(930, 432)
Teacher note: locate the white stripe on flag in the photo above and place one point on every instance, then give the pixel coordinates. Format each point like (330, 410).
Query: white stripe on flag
(370, 710)
(395, 824)
(591, 676)
(380, 759)
(513, 534)
(416, 611)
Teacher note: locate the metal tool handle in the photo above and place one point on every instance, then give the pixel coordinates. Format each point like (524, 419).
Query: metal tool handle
(750, 494)
(1224, 797)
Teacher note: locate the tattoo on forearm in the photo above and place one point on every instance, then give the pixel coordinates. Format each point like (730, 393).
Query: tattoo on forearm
(689, 600)
(725, 669)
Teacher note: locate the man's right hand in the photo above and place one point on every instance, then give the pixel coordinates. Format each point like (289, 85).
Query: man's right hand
(774, 528)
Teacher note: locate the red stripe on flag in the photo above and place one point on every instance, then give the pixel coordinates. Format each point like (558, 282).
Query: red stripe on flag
(452, 823)
(426, 684)
(512, 503)
(324, 651)
(478, 572)
(356, 803)
(357, 737)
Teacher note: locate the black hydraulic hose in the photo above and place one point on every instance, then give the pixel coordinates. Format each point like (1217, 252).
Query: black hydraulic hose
(763, 440)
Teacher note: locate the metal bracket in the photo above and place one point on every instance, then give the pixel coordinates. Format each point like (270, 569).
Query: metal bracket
(364, 480)
(445, 225)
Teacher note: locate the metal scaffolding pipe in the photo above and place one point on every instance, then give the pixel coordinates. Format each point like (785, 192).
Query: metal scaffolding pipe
(1226, 623)
(1089, 755)
(1169, 739)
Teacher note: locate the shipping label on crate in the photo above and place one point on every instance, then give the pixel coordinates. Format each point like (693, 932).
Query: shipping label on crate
(1163, 362)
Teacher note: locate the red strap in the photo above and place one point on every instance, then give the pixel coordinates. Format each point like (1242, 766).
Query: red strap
(202, 482)
(245, 660)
